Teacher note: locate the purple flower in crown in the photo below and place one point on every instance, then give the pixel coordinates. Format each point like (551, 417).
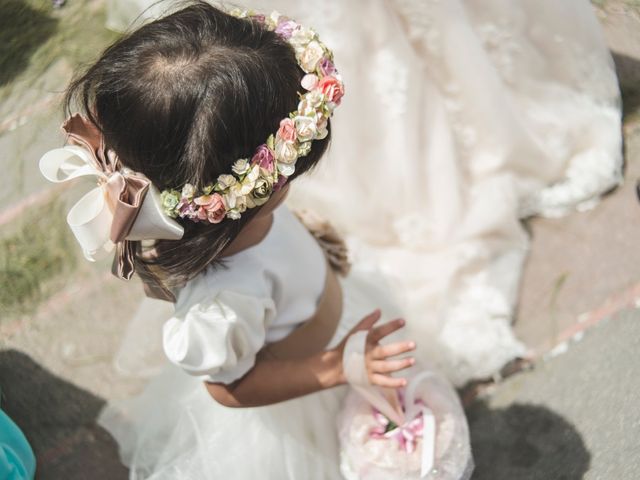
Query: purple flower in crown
(285, 29)
(186, 209)
(279, 183)
(264, 158)
(327, 67)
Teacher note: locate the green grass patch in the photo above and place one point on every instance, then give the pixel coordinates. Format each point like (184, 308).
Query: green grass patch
(23, 29)
(35, 252)
(34, 35)
(553, 304)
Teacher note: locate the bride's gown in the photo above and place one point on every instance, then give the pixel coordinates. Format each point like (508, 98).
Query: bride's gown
(460, 119)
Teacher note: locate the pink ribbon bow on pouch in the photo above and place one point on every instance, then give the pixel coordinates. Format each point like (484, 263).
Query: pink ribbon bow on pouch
(125, 206)
(406, 435)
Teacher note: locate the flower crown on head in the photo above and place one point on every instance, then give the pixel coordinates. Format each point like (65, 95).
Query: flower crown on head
(252, 181)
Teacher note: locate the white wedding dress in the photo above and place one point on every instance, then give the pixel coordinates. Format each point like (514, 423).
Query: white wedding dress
(460, 119)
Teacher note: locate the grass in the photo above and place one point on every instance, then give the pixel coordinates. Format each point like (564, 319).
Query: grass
(34, 35)
(37, 251)
(630, 3)
(23, 29)
(553, 302)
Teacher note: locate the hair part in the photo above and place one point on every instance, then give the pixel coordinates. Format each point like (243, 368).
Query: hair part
(179, 100)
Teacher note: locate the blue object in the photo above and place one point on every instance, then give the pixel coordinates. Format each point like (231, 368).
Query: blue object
(17, 461)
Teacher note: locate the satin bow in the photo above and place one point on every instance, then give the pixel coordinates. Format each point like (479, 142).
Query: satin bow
(125, 206)
(410, 414)
(406, 435)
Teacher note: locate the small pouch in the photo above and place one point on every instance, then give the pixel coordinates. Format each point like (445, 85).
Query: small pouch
(417, 432)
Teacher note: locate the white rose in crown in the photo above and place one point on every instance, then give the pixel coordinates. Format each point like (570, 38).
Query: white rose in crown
(301, 37)
(286, 152)
(305, 128)
(310, 56)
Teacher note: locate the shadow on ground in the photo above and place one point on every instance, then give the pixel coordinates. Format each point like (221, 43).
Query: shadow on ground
(628, 71)
(525, 442)
(22, 30)
(58, 419)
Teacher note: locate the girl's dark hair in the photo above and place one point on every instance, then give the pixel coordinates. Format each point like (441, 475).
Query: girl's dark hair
(179, 100)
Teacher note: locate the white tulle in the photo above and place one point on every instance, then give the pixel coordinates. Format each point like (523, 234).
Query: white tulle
(175, 431)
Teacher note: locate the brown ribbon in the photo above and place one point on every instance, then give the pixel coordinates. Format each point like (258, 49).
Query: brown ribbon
(329, 239)
(125, 190)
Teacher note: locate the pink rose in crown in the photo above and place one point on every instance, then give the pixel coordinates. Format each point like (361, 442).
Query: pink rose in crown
(212, 207)
(332, 89)
(309, 81)
(287, 130)
(264, 158)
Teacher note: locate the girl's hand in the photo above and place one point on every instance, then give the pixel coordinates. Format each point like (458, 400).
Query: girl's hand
(379, 365)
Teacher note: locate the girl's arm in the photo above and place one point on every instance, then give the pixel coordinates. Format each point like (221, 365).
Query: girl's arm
(274, 380)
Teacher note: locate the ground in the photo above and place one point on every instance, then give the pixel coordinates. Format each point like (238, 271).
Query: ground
(570, 415)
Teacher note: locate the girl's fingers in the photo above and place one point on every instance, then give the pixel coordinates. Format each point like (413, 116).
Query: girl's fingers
(388, 328)
(387, 381)
(367, 322)
(384, 351)
(388, 366)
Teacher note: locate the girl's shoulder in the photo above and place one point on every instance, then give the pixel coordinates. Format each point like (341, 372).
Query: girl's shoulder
(246, 271)
(285, 267)
(245, 276)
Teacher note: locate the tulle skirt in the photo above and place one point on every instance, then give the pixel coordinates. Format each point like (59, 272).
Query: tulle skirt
(175, 430)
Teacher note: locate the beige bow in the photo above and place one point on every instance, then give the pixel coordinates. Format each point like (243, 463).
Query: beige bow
(125, 206)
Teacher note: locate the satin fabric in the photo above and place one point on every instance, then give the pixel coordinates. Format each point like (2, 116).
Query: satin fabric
(17, 461)
(125, 190)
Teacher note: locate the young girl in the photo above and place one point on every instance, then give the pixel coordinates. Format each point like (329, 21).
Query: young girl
(221, 113)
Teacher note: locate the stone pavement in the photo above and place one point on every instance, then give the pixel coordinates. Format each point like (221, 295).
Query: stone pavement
(570, 417)
(574, 416)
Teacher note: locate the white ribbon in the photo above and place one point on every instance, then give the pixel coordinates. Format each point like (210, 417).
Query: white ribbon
(356, 374)
(90, 218)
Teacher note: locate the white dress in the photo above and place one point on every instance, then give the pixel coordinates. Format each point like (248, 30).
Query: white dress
(175, 430)
(460, 118)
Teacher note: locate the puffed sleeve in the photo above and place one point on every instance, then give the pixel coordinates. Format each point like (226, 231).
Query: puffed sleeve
(220, 336)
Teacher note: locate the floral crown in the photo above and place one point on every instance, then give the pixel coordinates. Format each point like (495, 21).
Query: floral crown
(252, 181)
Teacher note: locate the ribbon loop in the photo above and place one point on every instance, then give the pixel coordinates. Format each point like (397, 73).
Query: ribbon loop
(66, 163)
(124, 207)
(355, 371)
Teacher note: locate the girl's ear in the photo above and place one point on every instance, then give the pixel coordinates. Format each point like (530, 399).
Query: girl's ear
(276, 199)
